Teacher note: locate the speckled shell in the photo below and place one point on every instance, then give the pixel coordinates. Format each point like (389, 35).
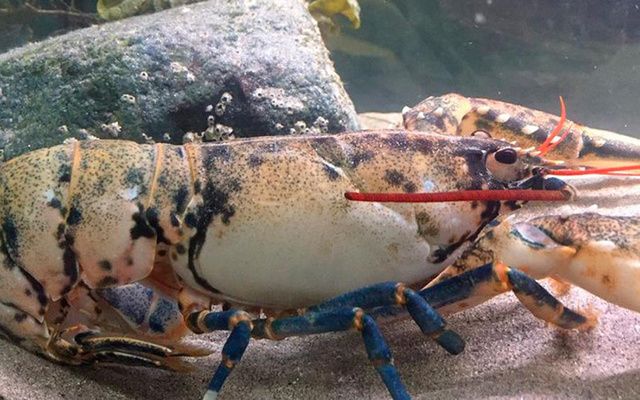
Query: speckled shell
(261, 222)
(453, 114)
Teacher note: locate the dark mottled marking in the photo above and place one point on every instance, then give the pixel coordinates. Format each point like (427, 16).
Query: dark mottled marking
(180, 199)
(174, 256)
(141, 227)
(216, 202)
(28, 292)
(438, 122)
(38, 289)
(360, 157)
(163, 180)
(60, 233)
(491, 210)
(105, 265)
(180, 248)
(409, 187)
(441, 254)
(74, 217)
(197, 186)
(397, 142)
(514, 125)
(10, 237)
(474, 204)
(162, 253)
(255, 160)
(394, 177)
(64, 173)
(191, 220)
(135, 176)
(107, 281)
(19, 317)
(153, 218)
(330, 171)
(423, 146)
(218, 152)
(129, 261)
(512, 205)
(69, 262)
(175, 222)
(55, 203)
(8, 262)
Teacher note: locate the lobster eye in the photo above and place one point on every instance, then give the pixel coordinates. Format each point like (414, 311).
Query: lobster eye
(505, 165)
(506, 156)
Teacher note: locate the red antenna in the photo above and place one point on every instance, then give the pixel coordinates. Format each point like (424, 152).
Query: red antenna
(547, 145)
(461, 195)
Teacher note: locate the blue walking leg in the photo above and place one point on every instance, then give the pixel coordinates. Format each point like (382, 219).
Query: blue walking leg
(340, 319)
(392, 293)
(493, 279)
(239, 322)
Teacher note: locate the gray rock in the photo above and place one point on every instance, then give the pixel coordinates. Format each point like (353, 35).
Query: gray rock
(258, 67)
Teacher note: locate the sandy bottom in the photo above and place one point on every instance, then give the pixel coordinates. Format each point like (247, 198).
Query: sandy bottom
(509, 354)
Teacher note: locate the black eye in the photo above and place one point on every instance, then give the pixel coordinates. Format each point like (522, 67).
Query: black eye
(506, 156)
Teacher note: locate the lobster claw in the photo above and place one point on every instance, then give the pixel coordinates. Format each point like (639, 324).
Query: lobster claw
(90, 347)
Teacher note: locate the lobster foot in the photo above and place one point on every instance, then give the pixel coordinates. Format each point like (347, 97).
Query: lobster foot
(239, 323)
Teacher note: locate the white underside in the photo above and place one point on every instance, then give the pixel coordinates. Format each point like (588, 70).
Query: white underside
(290, 257)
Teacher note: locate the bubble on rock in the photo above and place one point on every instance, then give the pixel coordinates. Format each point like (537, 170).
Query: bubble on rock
(63, 129)
(83, 134)
(218, 133)
(166, 137)
(127, 98)
(226, 98)
(112, 129)
(144, 75)
(220, 109)
(188, 137)
(69, 140)
(211, 121)
(147, 139)
(300, 127)
(209, 108)
(321, 125)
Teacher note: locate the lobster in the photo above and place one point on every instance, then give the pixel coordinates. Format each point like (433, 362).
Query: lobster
(112, 250)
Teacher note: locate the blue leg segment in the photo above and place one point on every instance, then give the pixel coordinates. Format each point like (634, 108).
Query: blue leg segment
(496, 279)
(240, 325)
(392, 293)
(335, 320)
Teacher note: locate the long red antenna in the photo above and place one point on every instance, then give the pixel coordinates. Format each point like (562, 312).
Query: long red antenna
(462, 195)
(595, 171)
